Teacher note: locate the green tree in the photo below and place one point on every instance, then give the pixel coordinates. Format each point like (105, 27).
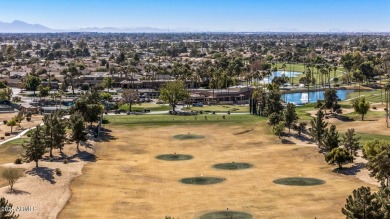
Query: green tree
(351, 142)
(317, 130)
(78, 132)
(5, 94)
(173, 93)
(331, 139)
(11, 123)
(383, 197)
(374, 147)
(93, 112)
(71, 76)
(362, 204)
(130, 97)
(18, 118)
(6, 210)
(367, 69)
(361, 106)
(108, 82)
(11, 175)
(273, 104)
(32, 82)
(290, 116)
(43, 91)
(279, 129)
(379, 166)
(330, 99)
(338, 156)
(300, 127)
(106, 96)
(35, 149)
(89, 106)
(54, 131)
(274, 119)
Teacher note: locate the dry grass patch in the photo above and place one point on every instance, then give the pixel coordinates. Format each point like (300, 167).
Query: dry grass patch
(127, 181)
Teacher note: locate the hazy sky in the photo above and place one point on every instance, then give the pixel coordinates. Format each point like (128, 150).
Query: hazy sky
(209, 15)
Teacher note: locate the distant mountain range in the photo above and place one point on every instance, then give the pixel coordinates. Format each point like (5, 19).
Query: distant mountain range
(23, 27)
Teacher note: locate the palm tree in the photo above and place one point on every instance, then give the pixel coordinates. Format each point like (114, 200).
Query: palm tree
(387, 96)
(334, 71)
(318, 67)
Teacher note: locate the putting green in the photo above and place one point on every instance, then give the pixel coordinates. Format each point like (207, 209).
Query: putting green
(201, 180)
(187, 136)
(174, 157)
(232, 166)
(226, 215)
(299, 181)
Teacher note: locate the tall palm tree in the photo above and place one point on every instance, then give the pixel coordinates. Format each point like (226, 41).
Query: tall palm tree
(387, 96)
(318, 67)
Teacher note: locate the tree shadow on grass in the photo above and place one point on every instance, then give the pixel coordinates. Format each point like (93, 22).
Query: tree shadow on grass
(105, 136)
(344, 118)
(18, 192)
(286, 141)
(351, 171)
(44, 173)
(84, 156)
(60, 159)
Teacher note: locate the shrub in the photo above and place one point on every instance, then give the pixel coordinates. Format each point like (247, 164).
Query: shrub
(28, 119)
(58, 172)
(7, 134)
(65, 161)
(11, 175)
(5, 122)
(18, 161)
(51, 159)
(374, 107)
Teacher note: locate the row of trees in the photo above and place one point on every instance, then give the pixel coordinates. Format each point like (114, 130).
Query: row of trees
(328, 141)
(53, 134)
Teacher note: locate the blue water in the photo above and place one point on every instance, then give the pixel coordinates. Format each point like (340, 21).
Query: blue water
(313, 96)
(288, 74)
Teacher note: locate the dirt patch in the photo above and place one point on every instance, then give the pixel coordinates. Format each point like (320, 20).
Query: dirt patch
(151, 188)
(41, 188)
(243, 132)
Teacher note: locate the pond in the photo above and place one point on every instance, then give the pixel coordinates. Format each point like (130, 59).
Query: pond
(311, 97)
(288, 74)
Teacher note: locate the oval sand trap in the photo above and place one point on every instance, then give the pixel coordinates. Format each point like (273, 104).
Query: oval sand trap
(174, 157)
(299, 181)
(201, 180)
(187, 136)
(226, 215)
(232, 166)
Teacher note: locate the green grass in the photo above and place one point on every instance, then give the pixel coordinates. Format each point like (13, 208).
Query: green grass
(220, 108)
(299, 67)
(16, 142)
(161, 120)
(371, 115)
(302, 112)
(150, 106)
(373, 96)
(365, 137)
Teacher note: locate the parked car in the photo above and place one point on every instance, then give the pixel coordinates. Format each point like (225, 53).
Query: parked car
(198, 104)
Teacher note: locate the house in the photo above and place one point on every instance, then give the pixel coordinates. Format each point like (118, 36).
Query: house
(19, 75)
